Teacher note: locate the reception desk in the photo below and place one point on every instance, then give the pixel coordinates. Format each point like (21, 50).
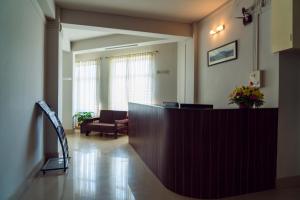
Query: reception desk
(208, 153)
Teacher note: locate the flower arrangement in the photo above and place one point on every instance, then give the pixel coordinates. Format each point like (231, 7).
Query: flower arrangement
(247, 97)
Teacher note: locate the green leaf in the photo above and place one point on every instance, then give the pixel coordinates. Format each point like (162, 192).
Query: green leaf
(82, 116)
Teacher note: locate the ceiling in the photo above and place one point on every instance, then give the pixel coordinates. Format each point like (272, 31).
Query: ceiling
(173, 10)
(73, 34)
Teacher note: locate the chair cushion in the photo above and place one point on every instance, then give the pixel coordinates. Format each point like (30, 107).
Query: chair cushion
(107, 125)
(101, 127)
(122, 121)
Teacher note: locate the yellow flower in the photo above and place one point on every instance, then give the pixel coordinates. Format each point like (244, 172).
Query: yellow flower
(247, 94)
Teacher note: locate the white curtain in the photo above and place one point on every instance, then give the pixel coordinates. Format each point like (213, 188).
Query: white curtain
(131, 80)
(86, 86)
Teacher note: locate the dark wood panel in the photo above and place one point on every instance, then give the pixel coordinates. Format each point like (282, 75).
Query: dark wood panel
(207, 153)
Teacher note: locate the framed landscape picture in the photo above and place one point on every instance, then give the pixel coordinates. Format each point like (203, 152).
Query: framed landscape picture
(222, 54)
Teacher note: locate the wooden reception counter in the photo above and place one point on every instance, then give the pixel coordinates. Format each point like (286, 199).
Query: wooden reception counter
(207, 153)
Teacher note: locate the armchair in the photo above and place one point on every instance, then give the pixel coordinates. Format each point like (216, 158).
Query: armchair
(110, 121)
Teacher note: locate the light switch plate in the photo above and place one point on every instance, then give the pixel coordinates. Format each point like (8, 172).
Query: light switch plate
(255, 79)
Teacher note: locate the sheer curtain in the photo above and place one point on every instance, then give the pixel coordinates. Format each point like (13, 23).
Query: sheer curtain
(86, 86)
(118, 97)
(131, 80)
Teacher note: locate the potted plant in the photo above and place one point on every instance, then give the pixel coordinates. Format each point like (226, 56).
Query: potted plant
(81, 116)
(247, 97)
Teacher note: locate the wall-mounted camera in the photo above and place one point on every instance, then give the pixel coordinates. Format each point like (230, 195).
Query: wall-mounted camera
(247, 16)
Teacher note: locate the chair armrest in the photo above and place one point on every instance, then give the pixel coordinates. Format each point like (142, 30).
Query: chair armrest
(121, 125)
(122, 121)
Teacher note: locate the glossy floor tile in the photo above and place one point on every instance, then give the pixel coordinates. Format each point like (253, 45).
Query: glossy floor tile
(109, 169)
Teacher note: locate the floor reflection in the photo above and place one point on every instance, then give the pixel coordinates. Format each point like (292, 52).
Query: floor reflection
(84, 171)
(91, 170)
(122, 189)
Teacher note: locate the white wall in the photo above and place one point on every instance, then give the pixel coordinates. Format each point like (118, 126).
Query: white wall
(181, 74)
(48, 7)
(67, 90)
(22, 84)
(166, 59)
(53, 81)
(216, 82)
(109, 41)
(185, 69)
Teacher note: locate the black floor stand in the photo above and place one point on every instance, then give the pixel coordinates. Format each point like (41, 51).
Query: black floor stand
(60, 163)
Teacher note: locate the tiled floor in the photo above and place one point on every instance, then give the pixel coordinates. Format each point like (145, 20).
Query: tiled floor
(108, 169)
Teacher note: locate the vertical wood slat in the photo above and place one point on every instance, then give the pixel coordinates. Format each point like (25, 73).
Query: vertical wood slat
(207, 153)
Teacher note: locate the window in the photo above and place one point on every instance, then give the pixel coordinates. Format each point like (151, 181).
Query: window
(86, 86)
(131, 80)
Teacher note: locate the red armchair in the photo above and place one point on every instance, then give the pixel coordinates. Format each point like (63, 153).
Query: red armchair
(110, 121)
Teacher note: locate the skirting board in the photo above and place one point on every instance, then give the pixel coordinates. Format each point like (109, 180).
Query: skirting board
(288, 182)
(22, 188)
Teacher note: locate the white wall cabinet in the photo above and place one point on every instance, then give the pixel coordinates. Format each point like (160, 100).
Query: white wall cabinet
(285, 25)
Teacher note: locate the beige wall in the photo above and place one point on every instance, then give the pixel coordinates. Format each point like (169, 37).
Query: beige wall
(289, 115)
(126, 23)
(166, 59)
(22, 84)
(296, 31)
(67, 90)
(216, 82)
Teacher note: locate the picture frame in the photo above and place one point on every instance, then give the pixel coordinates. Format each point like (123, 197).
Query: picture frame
(224, 53)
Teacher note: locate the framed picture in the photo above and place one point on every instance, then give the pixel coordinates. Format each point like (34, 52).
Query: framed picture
(222, 54)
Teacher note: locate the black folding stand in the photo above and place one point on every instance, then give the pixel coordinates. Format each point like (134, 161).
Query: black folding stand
(60, 163)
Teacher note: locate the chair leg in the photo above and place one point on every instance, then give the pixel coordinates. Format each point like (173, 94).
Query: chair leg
(87, 133)
(116, 135)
